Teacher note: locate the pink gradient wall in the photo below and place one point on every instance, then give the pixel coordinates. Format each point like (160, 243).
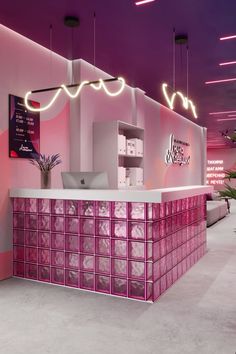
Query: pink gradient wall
(229, 161)
(24, 66)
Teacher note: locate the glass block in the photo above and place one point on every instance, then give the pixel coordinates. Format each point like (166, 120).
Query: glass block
(136, 250)
(162, 210)
(44, 239)
(72, 225)
(184, 266)
(72, 278)
(174, 257)
(180, 269)
(71, 207)
(162, 245)
(178, 205)
(31, 238)
(31, 221)
(19, 269)
(18, 237)
(87, 245)
(156, 270)
(162, 228)
(119, 210)
(119, 286)
(163, 266)
(174, 206)
(44, 273)
(44, 256)
(156, 250)
(103, 283)
(57, 276)
(119, 229)
(149, 250)
(58, 258)
(57, 206)
(19, 204)
(87, 281)
(169, 279)
(149, 291)
(156, 290)
(103, 246)
(87, 208)
(31, 254)
(57, 241)
(153, 231)
(87, 262)
(163, 284)
(103, 265)
(31, 271)
(31, 205)
(72, 243)
(87, 226)
(72, 260)
(44, 206)
(168, 226)
(137, 289)
(119, 267)
(184, 204)
(169, 264)
(153, 211)
(168, 244)
(168, 206)
(18, 221)
(149, 271)
(137, 230)
(119, 248)
(18, 253)
(44, 222)
(103, 209)
(137, 211)
(136, 269)
(57, 223)
(103, 227)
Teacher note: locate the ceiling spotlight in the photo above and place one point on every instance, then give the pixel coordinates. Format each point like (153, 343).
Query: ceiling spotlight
(228, 37)
(71, 21)
(142, 2)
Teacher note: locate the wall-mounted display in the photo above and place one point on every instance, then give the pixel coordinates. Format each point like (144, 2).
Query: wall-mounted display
(24, 129)
(175, 154)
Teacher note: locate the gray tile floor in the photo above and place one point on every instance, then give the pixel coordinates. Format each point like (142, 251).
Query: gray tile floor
(196, 315)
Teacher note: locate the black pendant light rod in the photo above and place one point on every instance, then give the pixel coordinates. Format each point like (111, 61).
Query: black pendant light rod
(73, 85)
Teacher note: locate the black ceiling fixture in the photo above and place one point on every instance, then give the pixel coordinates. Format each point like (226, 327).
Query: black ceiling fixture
(181, 39)
(71, 21)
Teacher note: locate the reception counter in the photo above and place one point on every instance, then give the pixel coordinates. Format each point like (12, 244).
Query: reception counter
(133, 243)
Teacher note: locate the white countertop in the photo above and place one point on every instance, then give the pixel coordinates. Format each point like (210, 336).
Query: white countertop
(147, 196)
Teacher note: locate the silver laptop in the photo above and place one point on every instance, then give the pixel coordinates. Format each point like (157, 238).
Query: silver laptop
(85, 180)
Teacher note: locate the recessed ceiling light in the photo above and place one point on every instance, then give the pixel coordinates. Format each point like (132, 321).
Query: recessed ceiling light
(232, 115)
(226, 112)
(220, 81)
(142, 2)
(228, 63)
(228, 37)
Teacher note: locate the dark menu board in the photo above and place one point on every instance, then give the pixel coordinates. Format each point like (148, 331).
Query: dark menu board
(24, 129)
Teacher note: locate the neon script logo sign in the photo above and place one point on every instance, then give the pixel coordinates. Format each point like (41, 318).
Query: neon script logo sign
(175, 153)
(187, 104)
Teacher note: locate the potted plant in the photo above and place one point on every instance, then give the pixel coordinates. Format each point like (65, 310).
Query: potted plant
(45, 164)
(229, 191)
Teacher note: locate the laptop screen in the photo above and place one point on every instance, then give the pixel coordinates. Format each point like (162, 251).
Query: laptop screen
(85, 180)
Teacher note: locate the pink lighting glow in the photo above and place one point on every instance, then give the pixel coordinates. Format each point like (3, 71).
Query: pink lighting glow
(143, 2)
(228, 63)
(232, 115)
(226, 112)
(228, 37)
(220, 81)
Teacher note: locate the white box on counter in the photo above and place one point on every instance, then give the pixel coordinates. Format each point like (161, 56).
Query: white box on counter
(130, 147)
(121, 144)
(138, 145)
(121, 177)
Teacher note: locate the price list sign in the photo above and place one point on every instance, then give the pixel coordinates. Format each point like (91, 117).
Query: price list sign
(24, 129)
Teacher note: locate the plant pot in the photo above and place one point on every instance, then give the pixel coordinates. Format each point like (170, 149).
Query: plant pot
(45, 179)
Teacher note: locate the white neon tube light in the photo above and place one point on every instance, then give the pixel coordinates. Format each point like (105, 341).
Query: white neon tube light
(41, 109)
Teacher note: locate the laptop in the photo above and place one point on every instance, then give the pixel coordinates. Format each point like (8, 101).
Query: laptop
(85, 180)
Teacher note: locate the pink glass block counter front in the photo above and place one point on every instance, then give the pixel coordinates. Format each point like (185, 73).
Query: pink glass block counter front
(134, 250)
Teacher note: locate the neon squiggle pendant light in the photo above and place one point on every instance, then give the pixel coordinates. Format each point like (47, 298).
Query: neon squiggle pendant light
(96, 85)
